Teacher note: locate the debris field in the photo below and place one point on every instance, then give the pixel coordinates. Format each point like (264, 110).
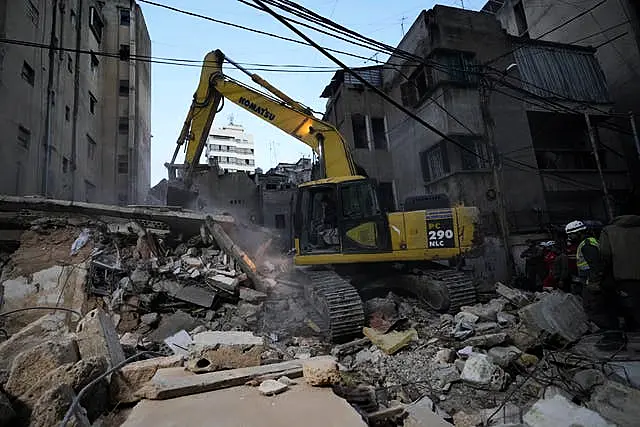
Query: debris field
(104, 312)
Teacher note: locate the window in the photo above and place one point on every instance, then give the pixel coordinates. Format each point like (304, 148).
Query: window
(65, 165)
(72, 17)
(122, 199)
(124, 87)
(476, 155)
(24, 136)
(125, 17)
(521, 19)
(125, 52)
(123, 125)
(358, 123)
(123, 163)
(434, 162)
(359, 201)
(67, 113)
(95, 23)
(92, 103)
(28, 74)
(91, 148)
(415, 89)
(69, 64)
(32, 12)
(280, 221)
(460, 66)
(379, 134)
(247, 162)
(387, 200)
(89, 191)
(94, 61)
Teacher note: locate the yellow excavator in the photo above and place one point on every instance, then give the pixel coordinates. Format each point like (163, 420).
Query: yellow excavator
(344, 242)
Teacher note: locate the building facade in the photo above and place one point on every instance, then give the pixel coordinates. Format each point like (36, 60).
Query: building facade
(231, 149)
(74, 106)
(518, 143)
(291, 174)
(611, 28)
(359, 114)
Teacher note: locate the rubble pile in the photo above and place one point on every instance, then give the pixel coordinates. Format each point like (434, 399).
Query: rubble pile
(513, 360)
(176, 312)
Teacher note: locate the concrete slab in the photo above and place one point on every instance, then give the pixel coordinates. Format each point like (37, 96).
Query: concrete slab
(245, 406)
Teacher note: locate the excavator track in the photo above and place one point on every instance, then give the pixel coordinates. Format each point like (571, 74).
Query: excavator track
(337, 302)
(447, 290)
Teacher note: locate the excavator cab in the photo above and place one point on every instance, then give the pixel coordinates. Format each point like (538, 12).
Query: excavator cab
(340, 215)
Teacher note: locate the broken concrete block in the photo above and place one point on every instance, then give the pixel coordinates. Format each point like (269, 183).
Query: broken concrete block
(463, 419)
(220, 350)
(150, 319)
(251, 295)
(7, 414)
(133, 376)
(190, 261)
(486, 341)
(466, 318)
(32, 365)
(367, 356)
(321, 371)
(423, 413)
(179, 343)
(140, 278)
(391, 342)
(480, 372)
(228, 284)
(169, 325)
(77, 375)
(224, 357)
(182, 383)
(196, 295)
(38, 332)
(514, 296)
(445, 356)
(587, 379)
(286, 380)
(445, 375)
(506, 319)
(558, 411)
(51, 408)
(617, 403)
(272, 387)
(97, 337)
(485, 312)
(524, 337)
(557, 314)
(503, 356)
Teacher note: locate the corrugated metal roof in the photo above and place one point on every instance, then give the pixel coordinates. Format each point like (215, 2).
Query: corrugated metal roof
(555, 72)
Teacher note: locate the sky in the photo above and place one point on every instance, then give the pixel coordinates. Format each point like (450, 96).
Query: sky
(175, 35)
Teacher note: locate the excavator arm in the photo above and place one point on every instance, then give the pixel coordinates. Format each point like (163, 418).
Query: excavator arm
(276, 108)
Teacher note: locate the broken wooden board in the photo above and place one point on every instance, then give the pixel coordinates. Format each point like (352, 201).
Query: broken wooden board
(167, 387)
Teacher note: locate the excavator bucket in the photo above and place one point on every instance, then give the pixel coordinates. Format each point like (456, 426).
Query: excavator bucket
(177, 195)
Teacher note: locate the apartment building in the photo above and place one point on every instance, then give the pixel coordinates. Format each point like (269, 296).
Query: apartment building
(527, 113)
(231, 149)
(75, 104)
(359, 114)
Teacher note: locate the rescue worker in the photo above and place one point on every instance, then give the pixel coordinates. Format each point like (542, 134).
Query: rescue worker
(598, 298)
(621, 260)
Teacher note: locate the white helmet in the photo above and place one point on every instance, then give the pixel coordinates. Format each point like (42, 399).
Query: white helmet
(574, 227)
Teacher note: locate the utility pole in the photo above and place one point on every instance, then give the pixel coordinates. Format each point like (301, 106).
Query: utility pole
(596, 156)
(402, 25)
(635, 132)
(496, 168)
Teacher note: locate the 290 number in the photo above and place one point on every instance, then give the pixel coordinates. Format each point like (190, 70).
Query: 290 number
(440, 234)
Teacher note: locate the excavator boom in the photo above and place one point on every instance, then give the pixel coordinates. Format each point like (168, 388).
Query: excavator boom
(277, 109)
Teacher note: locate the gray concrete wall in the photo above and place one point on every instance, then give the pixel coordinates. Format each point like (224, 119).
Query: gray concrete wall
(234, 193)
(278, 202)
